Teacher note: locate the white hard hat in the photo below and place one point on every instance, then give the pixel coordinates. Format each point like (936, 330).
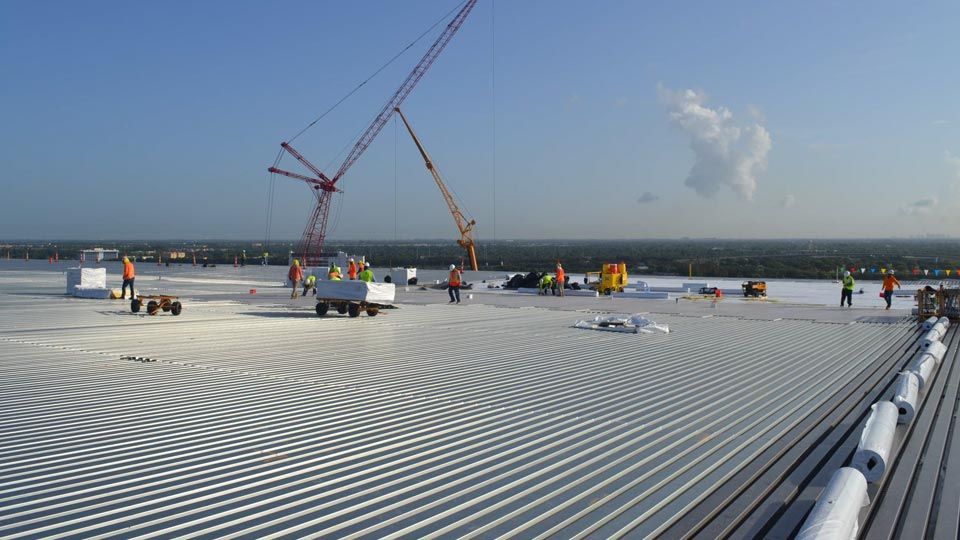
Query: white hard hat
(367, 263)
(351, 259)
(453, 267)
(890, 271)
(846, 273)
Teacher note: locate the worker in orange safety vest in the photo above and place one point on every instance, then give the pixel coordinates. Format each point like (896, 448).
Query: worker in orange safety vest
(352, 269)
(453, 284)
(561, 280)
(295, 275)
(129, 273)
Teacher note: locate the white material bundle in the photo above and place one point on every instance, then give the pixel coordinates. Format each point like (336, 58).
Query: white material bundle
(905, 397)
(876, 441)
(100, 293)
(922, 366)
(934, 335)
(633, 324)
(90, 278)
(641, 294)
(836, 514)
(928, 324)
(936, 349)
(402, 276)
(356, 291)
(944, 321)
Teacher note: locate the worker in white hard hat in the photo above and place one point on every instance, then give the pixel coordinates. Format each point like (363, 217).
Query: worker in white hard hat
(352, 269)
(367, 274)
(846, 290)
(453, 284)
(888, 283)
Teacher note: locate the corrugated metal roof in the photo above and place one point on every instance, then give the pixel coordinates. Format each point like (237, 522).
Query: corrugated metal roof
(259, 420)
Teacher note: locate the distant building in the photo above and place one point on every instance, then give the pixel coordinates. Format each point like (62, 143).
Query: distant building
(98, 255)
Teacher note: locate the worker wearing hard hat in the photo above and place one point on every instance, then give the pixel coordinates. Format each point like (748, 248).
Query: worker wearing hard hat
(561, 279)
(888, 283)
(310, 284)
(846, 291)
(367, 274)
(546, 282)
(295, 275)
(334, 273)
(129, 273)
(352, 269)
(453, 284)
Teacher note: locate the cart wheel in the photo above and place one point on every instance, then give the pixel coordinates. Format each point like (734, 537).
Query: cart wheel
(342, 308)
(152, 307)
(372, 311)
(165, 307)
(322, 308)
(135, 305)
(387, 279)
(176, 308)
(354, 310)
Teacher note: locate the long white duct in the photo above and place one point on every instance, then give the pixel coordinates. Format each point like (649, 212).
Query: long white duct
(905, 397)
(922, 366)
(876, 441)
(836, 514)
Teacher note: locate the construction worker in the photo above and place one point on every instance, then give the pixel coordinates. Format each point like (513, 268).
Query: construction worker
(888, 282)
(453, 284)
(846, 292)
(561, 279)
(352, 269)
(545, 283)
(367, 274)
(129, 273)
(310, 284)
(295, 275)
(334, 273)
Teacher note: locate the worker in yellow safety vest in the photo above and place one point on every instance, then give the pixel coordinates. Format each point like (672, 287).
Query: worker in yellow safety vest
(334, 273)
(367, 274)
(310, 284)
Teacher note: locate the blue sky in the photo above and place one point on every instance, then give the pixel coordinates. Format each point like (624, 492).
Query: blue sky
(155, 120)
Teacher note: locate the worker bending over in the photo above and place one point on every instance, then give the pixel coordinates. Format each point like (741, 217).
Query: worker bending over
(310, 284)
(295, 275)
(546, 282)
(453, 284)
(129, 273)
(888, 282)
(334, 273)
(352, 269)
(367, 274)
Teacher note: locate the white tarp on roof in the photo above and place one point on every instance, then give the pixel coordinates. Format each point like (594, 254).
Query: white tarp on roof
(356, 291)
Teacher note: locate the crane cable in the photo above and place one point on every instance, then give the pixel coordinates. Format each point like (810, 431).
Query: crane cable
(377, 72)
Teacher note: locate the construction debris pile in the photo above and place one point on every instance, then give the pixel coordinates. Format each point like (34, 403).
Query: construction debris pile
(628, 324)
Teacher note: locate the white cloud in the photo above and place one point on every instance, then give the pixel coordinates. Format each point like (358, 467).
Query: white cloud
(940, 122)
(920, 207)
(726, 154)
(788, 201)
(647, 197)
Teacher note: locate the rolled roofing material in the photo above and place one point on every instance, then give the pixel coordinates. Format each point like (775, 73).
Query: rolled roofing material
(934, 335)
(905, 396)
(922, 366)
(875, 441)
(944, 321)
(835, 516)
(937, 350)
(928, 324)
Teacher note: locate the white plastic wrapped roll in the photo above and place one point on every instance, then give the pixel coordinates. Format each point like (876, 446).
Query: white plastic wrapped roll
(945, 322)
(836, 514)
(932, 336)
(937, 350)
(941, 328)
(875, 441)
(922, 366)
(905, 397)
(928, 324)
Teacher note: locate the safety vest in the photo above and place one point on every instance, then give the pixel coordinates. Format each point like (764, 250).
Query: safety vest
(454, 278)
(128, 272)
(352, 270)
(334, 273)
(367, 275)
(848, 283)
(561, 277)
(311, 279)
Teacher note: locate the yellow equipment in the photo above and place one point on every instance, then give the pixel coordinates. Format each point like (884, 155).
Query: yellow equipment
(756, 289)
(465, 227)
(611, 278)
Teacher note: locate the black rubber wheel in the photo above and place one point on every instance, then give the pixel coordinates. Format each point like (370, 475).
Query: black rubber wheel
(135, 305)
(372, 311)
(354, 310)
(412, 281)
(322, 308)
(387, 279)
(165, 308)
(176, 308)
(152, 307)
(342, 308)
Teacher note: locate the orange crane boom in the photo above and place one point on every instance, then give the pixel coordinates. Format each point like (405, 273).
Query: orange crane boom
(463, 225)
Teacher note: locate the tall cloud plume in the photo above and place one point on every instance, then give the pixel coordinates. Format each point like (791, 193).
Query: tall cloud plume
(727, 154)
